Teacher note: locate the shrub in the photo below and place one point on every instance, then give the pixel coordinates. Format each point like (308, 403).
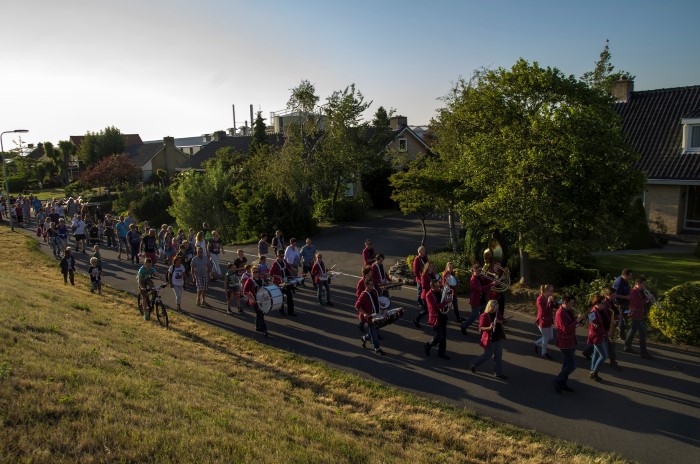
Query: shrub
(17, 183)
(76, 188)
(636, 235)
(148, 204)
(678, 317)
(569, 273)
(264, 212)
(346, 209)
(583, 291)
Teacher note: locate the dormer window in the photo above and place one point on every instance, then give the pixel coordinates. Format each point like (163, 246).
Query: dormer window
(691, 135)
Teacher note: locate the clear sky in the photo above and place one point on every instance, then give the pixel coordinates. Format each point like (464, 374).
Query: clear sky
(175, 67)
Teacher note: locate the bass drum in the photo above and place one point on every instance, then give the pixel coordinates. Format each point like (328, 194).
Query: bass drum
(269, 298)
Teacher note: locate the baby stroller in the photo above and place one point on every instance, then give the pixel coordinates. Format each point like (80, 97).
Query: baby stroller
(94, 235)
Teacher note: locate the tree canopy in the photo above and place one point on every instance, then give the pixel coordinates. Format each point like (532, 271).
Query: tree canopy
(540, 155)
(110, 172)
(97, 145)
(603, 74)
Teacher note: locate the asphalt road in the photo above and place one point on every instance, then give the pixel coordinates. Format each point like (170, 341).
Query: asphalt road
(649, 412)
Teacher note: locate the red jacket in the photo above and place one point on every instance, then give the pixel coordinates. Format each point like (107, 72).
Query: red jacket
(485, 320)
(637, 302)
(250, 287)
(278, 272)
(596, 328)
(317, 269)
(475, 289)
(545, 312)
(566, 328)
(360, 287)
(434, 307)
(366, 307)
(377, 276)
(368, 256)
(418, 265)
(425, 284)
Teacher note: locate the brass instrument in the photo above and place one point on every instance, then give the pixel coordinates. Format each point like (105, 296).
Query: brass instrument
(501, 275)
(446, 295)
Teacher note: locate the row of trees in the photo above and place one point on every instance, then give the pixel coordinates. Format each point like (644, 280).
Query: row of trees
(532, 154)
(327, 148)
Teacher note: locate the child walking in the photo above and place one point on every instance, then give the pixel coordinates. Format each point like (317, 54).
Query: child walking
(68, 266)
(95, 275)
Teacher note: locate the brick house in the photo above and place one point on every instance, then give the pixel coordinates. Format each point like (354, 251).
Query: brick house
(663, 126)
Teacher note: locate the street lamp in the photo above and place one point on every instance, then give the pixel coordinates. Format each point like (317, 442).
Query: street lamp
(4, 174)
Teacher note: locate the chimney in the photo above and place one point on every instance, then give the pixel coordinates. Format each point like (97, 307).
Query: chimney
(622, 89)
(169, 142)
(398, 121)
(231, 131)
(206, 138)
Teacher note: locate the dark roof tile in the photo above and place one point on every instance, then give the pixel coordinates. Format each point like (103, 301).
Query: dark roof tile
(651, 121)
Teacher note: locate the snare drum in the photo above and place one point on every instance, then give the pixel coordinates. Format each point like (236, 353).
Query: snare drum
(269, 298)
(451, 280)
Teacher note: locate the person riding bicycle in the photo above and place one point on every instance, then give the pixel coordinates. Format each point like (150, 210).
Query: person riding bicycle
(144, 278)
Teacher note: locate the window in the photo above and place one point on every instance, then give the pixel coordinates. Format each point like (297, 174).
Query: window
(694, 137)
(692, 208)
(403, 145)
(691, 135)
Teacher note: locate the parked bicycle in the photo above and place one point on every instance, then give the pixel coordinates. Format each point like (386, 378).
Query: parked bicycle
(155, 304)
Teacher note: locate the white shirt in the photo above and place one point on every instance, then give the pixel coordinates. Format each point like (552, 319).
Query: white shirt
(79, 227)
(291, 255)
(178, 275)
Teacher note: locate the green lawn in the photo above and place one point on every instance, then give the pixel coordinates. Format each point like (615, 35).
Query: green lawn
(49, 194)
(667, 269)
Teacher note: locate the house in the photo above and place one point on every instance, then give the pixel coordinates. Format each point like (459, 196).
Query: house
(189, 145)
(150, 157)
(663, 126)
(239, 143)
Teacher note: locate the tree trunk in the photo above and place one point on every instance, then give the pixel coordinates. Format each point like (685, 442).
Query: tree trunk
(425, 230)
(524, 265)
(453, 232)
(334, 199)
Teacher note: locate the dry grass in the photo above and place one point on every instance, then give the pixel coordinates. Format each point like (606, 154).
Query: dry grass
(83, 379)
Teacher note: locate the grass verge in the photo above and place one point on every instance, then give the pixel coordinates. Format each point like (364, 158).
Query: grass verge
(83, 379)
(667, 269)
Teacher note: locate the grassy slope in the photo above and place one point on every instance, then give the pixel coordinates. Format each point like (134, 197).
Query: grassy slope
(667, 269)
(83, 379)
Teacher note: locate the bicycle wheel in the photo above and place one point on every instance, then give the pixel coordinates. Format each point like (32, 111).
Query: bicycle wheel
(162, 314)
(140, 306)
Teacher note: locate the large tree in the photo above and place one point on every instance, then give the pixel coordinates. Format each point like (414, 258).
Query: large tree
(110, 172)
(543, 157)
(68, 150)
(345, 147)
(98, 145)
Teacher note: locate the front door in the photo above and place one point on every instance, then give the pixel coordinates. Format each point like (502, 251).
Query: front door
(692, 208)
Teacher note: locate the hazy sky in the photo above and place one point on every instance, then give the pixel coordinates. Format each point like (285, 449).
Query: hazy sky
(175, 67)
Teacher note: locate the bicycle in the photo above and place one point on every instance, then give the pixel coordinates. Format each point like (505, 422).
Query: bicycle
(155, 303)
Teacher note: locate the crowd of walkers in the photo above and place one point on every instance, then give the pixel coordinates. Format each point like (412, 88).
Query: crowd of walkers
(195, 257)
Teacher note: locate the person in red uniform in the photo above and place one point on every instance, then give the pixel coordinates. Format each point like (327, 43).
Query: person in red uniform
(566, 322)
(492, 337)
(379, 275)
(476, 288)
(250, 289)
(317, 271)
(545, 319)
(612, 313)
(278, 272)
(426, 277)
(367, 304)
(597, 335)
(638, 303)
(368, 253)
(419, 263)
(437, 319)
(446, 274)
